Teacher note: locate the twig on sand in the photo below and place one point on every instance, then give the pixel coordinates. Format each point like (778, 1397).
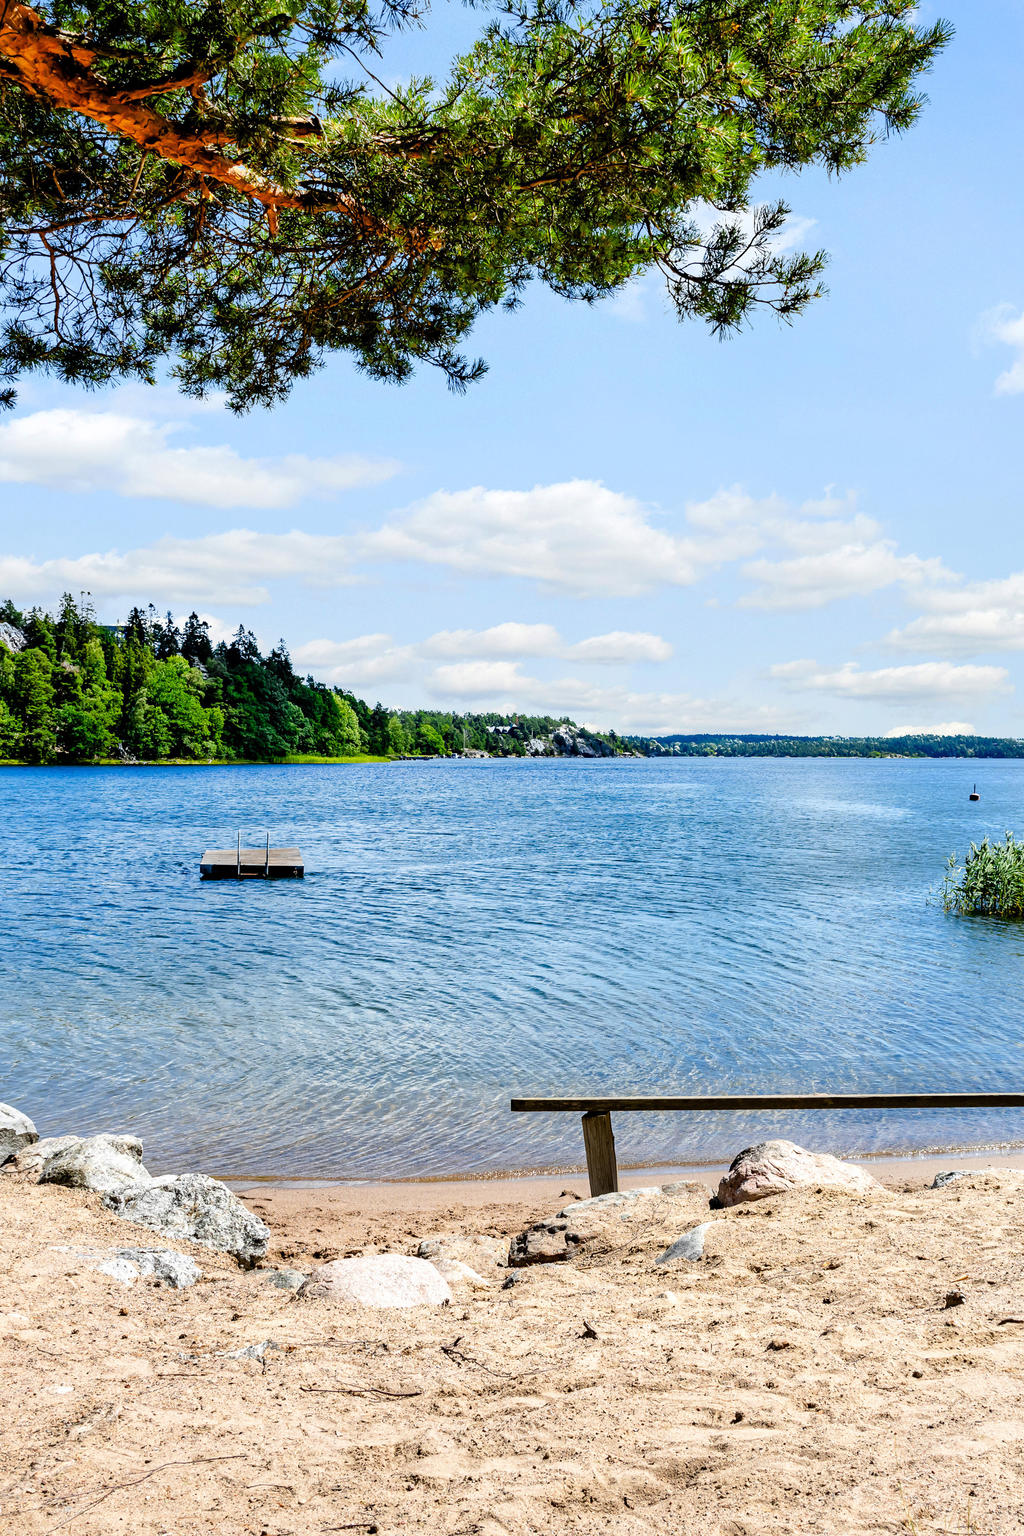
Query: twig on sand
(192, 1461)
(363, 1391)
(460, 1357)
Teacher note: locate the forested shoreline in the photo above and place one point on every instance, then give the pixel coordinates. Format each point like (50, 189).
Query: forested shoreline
(73, 690)
(913, 744)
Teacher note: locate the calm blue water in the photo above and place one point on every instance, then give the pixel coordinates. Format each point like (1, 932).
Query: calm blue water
(467, 931)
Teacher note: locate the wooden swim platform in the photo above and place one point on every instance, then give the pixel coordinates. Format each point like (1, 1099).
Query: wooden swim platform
(240, 863)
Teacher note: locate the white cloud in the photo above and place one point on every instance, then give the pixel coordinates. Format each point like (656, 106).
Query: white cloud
(925, 680)
(1003, 325)
(981, 616)
(585, 539)
(502, 685)
(222, 568)
(84, 451)
(851, 570)
(483, 661)
(946, 728)
(508, 639)
(578, 536)
(512, 639)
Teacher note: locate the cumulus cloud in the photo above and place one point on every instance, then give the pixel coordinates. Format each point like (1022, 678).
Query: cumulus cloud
(946, 728)
(512, 639)
(922, 681)
(83, 451)
(504, 685)
(469, 663)
(585, 539)
(1005, 326)
(223, 568)
(980, 616)
(578, 536)
(849, 570)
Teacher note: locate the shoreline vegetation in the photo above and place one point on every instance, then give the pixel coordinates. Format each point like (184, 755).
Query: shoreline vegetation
(989, 883)
(146, 693)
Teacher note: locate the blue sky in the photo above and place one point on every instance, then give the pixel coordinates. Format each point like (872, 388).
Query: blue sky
(812, 528)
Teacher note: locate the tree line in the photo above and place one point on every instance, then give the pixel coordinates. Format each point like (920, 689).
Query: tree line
(73, 690)
(915, 744)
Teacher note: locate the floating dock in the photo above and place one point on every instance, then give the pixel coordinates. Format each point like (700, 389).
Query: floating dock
(240, 863)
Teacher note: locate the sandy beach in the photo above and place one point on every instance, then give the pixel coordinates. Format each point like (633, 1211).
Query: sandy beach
(834, 1362)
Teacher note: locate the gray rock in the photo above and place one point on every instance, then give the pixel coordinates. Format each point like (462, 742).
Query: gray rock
(689, 1246)
(128, 1264)
(942, 1179)
(773, 1167)
(249, 1352)
(16, 1131)
(284, 1279)
(379, 1280)
(196, 1208)
(603, 1223)
(486, 1255)
(174, 1269)
(544, 1243)
(30, 1160)
(102, 1163)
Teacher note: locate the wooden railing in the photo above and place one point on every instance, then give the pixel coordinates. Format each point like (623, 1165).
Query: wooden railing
(599, 1140)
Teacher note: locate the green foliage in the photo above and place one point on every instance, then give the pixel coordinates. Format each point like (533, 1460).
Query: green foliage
(990, 882)
(86, 691)
(32, 701)
(579, 143)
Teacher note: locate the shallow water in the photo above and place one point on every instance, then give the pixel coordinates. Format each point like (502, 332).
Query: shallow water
(470, 931)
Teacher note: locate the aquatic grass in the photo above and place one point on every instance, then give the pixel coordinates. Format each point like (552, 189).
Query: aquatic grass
(989, 883)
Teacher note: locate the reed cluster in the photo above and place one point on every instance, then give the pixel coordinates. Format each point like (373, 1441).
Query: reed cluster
(989, 882)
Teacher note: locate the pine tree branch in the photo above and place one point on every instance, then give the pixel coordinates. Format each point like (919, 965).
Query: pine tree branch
(46, 64)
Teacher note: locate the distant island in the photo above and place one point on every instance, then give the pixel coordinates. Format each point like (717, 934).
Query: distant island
(918, 744)
(73, 690)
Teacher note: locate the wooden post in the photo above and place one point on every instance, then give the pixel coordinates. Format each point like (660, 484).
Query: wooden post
(599, 1142)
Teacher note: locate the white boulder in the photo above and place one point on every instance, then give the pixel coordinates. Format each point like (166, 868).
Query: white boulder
(773, 1167)
(30, 1160)
(102, 1163)
(16, 1131)
(198, 1209)
(379, 1280)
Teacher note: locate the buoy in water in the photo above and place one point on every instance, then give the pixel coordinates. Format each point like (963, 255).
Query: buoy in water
(974, 794)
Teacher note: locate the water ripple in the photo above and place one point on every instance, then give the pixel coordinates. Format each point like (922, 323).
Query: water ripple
(467, 932)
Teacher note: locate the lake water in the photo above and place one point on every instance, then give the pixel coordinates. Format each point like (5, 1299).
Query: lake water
(470, 931)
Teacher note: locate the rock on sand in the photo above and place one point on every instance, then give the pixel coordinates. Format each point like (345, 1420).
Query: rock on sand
(198, 1209)
(379, 1280)
(16, 1131)
(30, 1160)
(772, 1167)
(102, 1163)
(605, 1222)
